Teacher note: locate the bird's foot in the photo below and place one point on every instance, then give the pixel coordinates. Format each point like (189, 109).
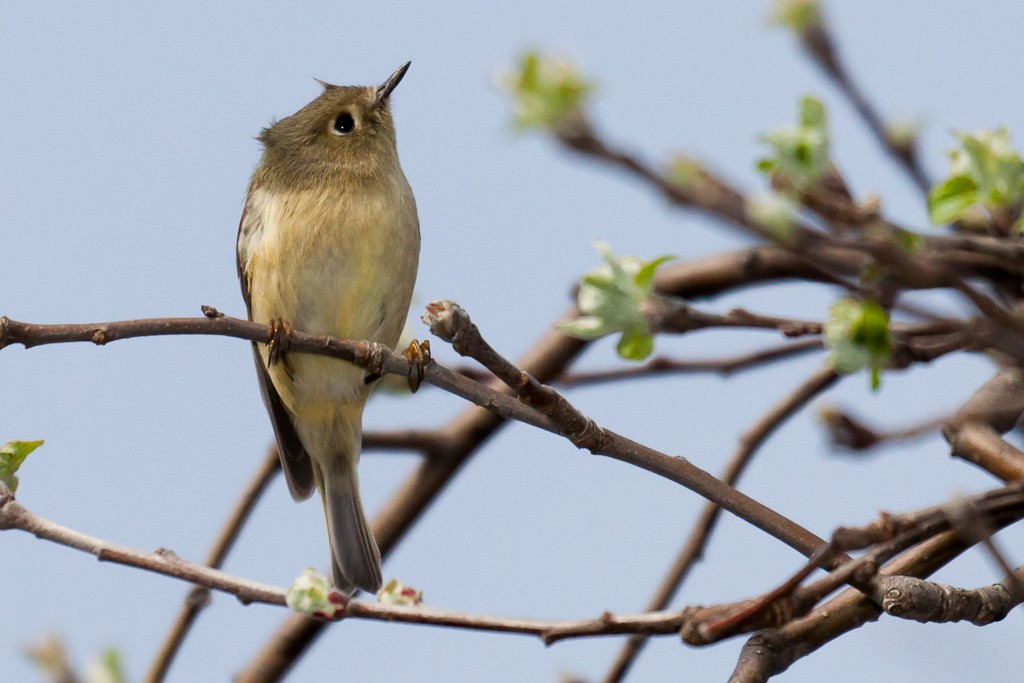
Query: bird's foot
(279, 341)
(418, 355)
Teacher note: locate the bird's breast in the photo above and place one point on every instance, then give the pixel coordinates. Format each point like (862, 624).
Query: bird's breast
(340, 264)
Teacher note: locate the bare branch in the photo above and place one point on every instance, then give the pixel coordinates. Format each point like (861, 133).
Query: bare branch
(13, 515)
(849, 433)
(816, 40)
(199, 597)
(772, 651)
(550, 356)
(450, 322)
(693, 549)
(725, 366)
(928, 602)
(974, 431)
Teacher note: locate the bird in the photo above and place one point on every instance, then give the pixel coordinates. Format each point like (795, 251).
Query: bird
(328, 243)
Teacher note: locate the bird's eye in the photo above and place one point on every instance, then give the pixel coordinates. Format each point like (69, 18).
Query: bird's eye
(344, 124)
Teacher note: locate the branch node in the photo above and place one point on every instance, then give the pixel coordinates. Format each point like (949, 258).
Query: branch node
(99, 336)
(590, 436)
(211, 312)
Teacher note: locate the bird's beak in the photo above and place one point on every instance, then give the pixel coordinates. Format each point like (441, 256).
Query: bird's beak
(385, 88)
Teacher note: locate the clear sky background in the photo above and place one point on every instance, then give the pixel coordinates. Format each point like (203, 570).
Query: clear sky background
(128, 131)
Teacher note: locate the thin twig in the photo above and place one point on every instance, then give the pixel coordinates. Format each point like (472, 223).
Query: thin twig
(550, 356)
(693, 549)
(816, 40)
(772, 651)
(451, 322)
(199, 597)
(849, 433)
(724, 366)
(13, 515)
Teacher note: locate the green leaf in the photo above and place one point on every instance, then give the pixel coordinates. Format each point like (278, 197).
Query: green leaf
(544, 90)
(948, 200)
(107, 668)
(812, 112)
(857, 338)
(796, 14)
(800, 154)
(12, 455)
(635, 344)
(645, 276)
(586, 327)
(311, 594)
(611, 298)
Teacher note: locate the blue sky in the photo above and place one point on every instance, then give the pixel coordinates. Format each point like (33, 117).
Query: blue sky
(128, 135)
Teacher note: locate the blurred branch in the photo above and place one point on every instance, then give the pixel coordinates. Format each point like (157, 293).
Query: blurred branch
(974, 519)
(199, 597)
(724, 366)
(50, 655)
(849, 433)
(450, 322)
(550, 356)
(772, 651)
(816, 39)
(974, 430)
(693, 549)
(430, 442)
(13, 515)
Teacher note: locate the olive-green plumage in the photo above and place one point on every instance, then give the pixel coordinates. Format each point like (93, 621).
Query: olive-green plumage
(329, 242)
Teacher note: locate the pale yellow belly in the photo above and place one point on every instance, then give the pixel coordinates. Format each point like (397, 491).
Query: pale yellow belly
(346, 275)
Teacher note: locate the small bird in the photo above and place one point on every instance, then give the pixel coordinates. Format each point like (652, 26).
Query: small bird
(329, 244)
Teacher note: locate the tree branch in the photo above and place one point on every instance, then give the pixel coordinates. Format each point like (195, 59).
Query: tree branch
(550, 356)
(199, 597)
(693, 549)
(13, 515)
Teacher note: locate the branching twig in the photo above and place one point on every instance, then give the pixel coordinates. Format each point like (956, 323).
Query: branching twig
(451, 323)
(770, 652)
(849, 433)
(974, 431)
(817, 42)
(693, 549)
(550, 356)
(13, 515)
(199, 597)
(725, 366)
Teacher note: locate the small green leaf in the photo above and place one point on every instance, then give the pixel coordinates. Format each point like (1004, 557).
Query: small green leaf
(586, 327)
(909, 241)
(812, 112)
(635, 345)
(645, 277)
(12, 455)
(796, 14)
(857, 338)
(986, 174)
(948, 200)
(107, 668)
(799, 154)
(774, 213)
(396, 593)
(544, 90)
(610, 299)
(311, 594)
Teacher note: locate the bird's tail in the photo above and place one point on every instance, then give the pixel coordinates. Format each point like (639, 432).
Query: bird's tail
(355, 560)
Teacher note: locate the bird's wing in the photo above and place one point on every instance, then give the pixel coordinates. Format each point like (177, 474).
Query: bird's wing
(298, 469)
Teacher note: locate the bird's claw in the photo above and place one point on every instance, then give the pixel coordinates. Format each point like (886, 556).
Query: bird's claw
(279, 341)
(418, 355)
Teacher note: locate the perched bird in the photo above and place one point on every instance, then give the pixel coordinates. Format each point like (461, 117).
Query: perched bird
(329, 244)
